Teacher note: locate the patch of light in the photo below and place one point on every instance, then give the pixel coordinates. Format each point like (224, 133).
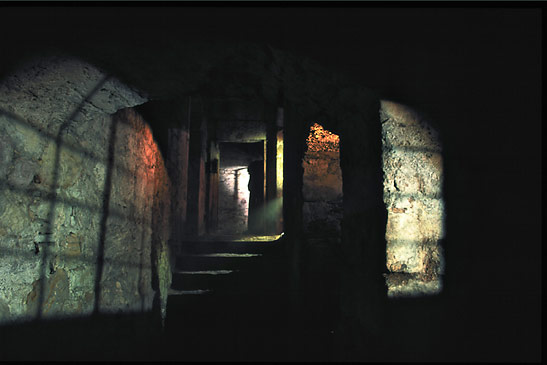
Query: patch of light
(413, 174)
(224, 255)
(188, 292)
(206, 272)
(321, 139)
(234, 199)
(279, 164)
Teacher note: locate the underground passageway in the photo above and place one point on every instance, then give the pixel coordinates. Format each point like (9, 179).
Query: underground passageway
(270, 184)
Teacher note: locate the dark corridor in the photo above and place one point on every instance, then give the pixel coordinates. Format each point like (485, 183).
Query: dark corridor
(115, 242)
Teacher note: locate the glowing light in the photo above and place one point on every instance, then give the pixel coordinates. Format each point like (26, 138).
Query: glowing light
(279, 164)
(206, 272)
(321, 139)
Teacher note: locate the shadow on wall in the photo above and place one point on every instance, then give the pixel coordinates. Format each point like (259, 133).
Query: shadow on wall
(84, 210)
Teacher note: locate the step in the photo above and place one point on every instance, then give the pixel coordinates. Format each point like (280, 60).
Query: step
(252, 309)
(233, 247)
(231, 280)
(188, 292)
(196, 312)
(217, 261)
(209, 279)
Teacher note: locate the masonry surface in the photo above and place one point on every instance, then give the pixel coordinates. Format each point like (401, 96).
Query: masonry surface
(392, 212)
(84, 188)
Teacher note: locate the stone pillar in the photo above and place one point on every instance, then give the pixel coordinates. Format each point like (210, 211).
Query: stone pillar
(213, 186)
(197, 185)
(293, 152)
(256, 197)
(271, 216)
(362, 291)
(177, 164)
(413, 178)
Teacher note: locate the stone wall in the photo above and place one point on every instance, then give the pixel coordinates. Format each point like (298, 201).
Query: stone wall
(234, 194)
(84, 196)
(413, 172)
(233, 200)
(322, 185)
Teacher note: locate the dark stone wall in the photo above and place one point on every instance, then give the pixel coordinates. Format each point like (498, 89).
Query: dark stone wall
(197, 160)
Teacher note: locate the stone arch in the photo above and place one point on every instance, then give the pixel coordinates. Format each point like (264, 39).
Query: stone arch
(94, 175)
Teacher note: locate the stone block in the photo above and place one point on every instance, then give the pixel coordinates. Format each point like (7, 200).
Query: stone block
(43, 95)
(67, 169)
(413, 173)
(322, 180)
(23, 173)
(15, 215)
(4, 310)
(410, 285)
(6, 155)
(73, 245)
(404, 128)
(54, 298)
(322, 218)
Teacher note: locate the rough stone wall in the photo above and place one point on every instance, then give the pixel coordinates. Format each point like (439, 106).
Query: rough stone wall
(233, 205)
(178, 149)
(322, 185)
(413, 173)
(233, 200)
(84, 196)
(197, 183)
(212, 197)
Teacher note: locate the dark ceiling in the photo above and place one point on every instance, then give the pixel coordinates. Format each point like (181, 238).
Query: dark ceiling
(399, 52)
(477, 70)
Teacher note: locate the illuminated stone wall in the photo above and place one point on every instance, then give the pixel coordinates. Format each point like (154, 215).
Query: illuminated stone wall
(234, 200)
(233, 206)
(322, 185)
(84, 196)
(413, 173)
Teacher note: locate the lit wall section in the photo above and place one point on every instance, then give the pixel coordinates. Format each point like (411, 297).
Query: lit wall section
(84, 196)
(322, 185)
(234, 178)
(413, 173)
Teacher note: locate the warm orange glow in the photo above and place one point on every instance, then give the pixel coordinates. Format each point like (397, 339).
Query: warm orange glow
(150, 153)
(279, 164)
(321, 139)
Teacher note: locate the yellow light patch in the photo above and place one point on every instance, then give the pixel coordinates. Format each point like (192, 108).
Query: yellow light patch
(321, 139)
